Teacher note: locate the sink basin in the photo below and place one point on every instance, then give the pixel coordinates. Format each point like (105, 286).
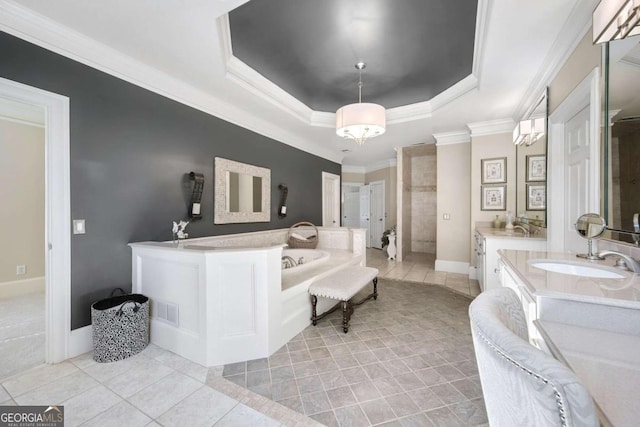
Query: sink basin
(577, 269)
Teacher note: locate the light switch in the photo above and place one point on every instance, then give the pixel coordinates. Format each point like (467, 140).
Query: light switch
(78, 226)
(446, 217)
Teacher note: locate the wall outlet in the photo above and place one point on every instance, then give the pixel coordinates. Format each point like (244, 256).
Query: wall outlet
(446, 217)
(21, 269)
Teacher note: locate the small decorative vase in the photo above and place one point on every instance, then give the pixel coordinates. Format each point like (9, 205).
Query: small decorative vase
(497, 222)
(391, 249)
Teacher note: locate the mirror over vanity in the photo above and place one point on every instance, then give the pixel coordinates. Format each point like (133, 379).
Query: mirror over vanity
(530, 137)
(621, 189)
(242, 192)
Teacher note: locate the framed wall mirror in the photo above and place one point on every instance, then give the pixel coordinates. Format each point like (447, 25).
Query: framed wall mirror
(242, 192)
(621, 189)
(531, 166)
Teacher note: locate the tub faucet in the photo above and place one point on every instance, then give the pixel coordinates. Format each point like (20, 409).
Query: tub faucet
(288, 262)
(624, 261)
(525, 232)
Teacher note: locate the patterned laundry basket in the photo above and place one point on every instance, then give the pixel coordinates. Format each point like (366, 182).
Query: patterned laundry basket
(120, 326)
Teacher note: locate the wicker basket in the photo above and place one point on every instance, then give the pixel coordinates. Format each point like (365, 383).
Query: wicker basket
(309, 242)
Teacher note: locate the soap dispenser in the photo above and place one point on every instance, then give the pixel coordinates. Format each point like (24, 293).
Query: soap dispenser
(509, 220)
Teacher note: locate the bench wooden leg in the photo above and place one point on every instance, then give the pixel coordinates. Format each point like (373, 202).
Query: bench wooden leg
(375, 288)
(314, 301)
(346, 315)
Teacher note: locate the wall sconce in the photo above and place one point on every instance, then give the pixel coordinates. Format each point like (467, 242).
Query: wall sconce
(529, 131)
(615, 19)
(521, 132)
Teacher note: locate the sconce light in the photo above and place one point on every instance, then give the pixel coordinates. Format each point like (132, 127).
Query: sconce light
(521, 132)
(616, 19)
(528, 131)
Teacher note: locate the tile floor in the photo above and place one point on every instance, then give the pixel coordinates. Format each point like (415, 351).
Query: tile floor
(406, 361)
(21, 333)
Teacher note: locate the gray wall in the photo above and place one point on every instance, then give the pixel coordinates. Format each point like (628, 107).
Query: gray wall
(130, 151)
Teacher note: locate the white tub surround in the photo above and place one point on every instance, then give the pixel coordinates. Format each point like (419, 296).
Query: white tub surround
(219, 300)
(591, 324)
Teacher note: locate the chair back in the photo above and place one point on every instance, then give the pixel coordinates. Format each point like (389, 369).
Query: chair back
(522, 386)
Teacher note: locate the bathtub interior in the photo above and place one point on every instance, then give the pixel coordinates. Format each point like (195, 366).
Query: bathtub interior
(304, 257)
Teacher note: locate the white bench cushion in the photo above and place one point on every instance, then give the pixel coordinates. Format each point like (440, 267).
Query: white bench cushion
(343, 284)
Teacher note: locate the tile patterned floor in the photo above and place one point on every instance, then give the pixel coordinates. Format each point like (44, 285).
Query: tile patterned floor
(419, 267)
(21, 333)
(152, 388)
(407, 360)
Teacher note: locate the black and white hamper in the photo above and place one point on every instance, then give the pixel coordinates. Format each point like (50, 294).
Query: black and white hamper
(120, 326)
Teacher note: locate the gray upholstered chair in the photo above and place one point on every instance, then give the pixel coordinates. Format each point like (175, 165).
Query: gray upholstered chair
(522, 385)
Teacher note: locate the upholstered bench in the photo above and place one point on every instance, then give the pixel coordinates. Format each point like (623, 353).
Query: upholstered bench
(343, 285)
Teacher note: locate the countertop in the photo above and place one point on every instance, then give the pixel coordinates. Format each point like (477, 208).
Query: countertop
(623, 292)
(502, 233)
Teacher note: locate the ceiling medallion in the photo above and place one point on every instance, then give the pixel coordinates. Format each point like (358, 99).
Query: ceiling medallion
(360, 121)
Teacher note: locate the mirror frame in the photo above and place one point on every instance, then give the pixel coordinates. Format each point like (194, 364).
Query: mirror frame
(521, 168)
(220, 213)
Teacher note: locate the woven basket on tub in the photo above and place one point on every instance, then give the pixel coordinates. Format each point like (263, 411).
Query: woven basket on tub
(306, 240)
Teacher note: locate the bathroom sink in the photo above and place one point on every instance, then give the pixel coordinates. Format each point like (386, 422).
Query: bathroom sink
(577, 269)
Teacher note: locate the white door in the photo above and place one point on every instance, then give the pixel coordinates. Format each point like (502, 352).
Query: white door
(350, 206)
(377, 213)
(365, 208)
(576, 167)
(330, 200)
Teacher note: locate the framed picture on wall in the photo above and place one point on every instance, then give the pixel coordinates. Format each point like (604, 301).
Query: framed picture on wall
(494, 171)
(536, 168)
(493, 198)
(536, 197)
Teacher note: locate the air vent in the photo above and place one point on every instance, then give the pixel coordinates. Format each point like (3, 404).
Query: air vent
(167, 312)
(346, 150)
(630, 119)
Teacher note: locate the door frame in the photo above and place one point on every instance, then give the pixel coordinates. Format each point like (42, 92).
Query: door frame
(57, 213)
(335, 182)
(586, 94)
(383, 184)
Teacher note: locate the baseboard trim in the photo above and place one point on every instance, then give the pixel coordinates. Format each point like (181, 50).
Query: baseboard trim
(22, 287)
(452, 266)
(80, 341)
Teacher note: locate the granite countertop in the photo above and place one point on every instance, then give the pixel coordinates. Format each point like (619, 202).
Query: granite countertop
(502, 233)
(624, 292)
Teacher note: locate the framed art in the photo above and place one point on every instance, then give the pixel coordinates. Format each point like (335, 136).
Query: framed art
(536, 168)
(494, 171)
(493, 198)
(536, 197)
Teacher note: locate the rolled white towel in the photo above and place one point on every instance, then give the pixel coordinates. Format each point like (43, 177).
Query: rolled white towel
(298, 236)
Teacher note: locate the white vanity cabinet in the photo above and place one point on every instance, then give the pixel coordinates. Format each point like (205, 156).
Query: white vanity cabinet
(488, 242)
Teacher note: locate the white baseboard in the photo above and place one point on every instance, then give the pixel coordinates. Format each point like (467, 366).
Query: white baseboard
(452, 266)
(22, 287)
(80, 341)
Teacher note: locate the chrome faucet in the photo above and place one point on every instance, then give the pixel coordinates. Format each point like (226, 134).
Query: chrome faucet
(625, 260)
(525, 232)
(288, 262)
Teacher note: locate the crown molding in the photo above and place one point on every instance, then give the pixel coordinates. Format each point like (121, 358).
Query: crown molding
(451, 138)
(482, 23)
(491, 127)
(23, 23)
(353, 169)
(574, 29)
(383, 164)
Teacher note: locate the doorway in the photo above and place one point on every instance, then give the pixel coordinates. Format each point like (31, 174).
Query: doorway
(22, 256)
(330, 200)
(57, 218)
